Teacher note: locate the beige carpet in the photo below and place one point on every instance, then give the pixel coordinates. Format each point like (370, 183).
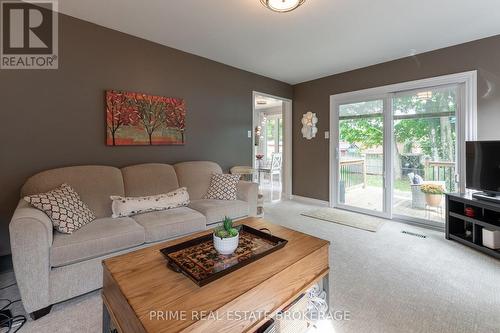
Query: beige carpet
(355, 220)
(389, 282)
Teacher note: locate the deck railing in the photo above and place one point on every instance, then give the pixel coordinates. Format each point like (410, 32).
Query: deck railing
(441, 171)
(353, 172)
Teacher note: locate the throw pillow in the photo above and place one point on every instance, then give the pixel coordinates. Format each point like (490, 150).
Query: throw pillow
(128, 206)
(223, 187)
(64, 207)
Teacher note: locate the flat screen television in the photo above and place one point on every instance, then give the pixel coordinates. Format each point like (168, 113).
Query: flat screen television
(483, 166)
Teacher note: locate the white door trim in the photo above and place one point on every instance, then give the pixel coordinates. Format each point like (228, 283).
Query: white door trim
(466, 122)
(287, 141)
(469, 78)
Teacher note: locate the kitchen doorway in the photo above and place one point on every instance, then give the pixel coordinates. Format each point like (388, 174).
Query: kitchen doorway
(271, 153)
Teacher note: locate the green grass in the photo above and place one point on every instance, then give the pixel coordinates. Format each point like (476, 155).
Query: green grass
(376, 181)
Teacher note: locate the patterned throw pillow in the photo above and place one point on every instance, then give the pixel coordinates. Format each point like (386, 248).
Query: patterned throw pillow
(64, 207)
(223, 187)
(128, 206)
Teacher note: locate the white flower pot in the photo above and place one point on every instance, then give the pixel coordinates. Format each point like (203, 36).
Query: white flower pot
(226, 246)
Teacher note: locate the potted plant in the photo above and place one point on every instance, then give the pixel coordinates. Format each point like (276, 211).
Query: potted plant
(433, 194)
(226, 237)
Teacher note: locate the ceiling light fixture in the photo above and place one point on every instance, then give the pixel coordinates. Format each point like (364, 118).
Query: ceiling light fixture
(282, 6)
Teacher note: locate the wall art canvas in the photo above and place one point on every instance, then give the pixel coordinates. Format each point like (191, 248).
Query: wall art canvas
(141, 119)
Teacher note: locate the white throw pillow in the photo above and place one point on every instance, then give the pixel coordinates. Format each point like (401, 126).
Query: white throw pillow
(223, 187)
(128, 206)
(64, 207)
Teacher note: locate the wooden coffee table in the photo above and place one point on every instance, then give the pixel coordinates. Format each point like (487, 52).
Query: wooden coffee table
(141, 294)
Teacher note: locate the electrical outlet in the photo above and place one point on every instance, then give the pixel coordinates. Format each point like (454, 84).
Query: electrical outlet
(249, 134)
(327, 135)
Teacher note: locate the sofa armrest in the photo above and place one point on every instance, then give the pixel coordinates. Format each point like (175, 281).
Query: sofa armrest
(249, 191)
(31, 235)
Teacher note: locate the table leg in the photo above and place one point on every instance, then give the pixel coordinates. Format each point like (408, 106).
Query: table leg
(326, 288)
(106, 320)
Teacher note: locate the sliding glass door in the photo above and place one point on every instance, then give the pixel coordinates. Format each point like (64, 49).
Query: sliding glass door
(360, 156)
(397, 149)
(424, 151)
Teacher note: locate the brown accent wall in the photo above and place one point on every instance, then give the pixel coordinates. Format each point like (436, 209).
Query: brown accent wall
(311, 158)
(54, 118)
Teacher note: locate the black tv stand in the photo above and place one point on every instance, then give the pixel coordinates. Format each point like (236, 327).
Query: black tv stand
(486, 196)
(466, 217)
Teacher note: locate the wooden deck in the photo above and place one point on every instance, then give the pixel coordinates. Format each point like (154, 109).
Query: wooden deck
(371, 197)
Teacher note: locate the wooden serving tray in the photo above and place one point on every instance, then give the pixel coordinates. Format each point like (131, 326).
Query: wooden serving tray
(198, 259)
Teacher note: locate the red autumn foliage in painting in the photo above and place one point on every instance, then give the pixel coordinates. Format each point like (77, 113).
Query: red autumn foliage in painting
(141, 119)
(176, 115)
(119, 112)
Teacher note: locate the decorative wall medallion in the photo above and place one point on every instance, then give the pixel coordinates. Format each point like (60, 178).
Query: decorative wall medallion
(309, 129)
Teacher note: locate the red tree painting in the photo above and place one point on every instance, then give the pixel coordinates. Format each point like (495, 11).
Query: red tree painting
(176, 115)
(119, 112)
(141, 119)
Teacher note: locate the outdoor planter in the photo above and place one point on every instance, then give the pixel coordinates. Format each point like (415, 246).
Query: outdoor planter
(433, 194)
(433, 200)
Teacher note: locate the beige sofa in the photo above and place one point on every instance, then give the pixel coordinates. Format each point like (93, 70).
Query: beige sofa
(51, 267)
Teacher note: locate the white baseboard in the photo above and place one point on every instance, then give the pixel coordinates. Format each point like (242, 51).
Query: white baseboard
(310, 200)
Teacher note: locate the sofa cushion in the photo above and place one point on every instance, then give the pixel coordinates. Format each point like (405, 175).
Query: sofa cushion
(216, 210)
(64, 207)
(94, 184)
(196, 176)
(149, 179)
(100, 237)
(128, 206)
(170, 223)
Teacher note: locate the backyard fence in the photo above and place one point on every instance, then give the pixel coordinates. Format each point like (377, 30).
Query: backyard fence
(374, 163)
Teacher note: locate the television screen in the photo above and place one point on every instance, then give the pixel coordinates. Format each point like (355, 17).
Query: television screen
(483, 165)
